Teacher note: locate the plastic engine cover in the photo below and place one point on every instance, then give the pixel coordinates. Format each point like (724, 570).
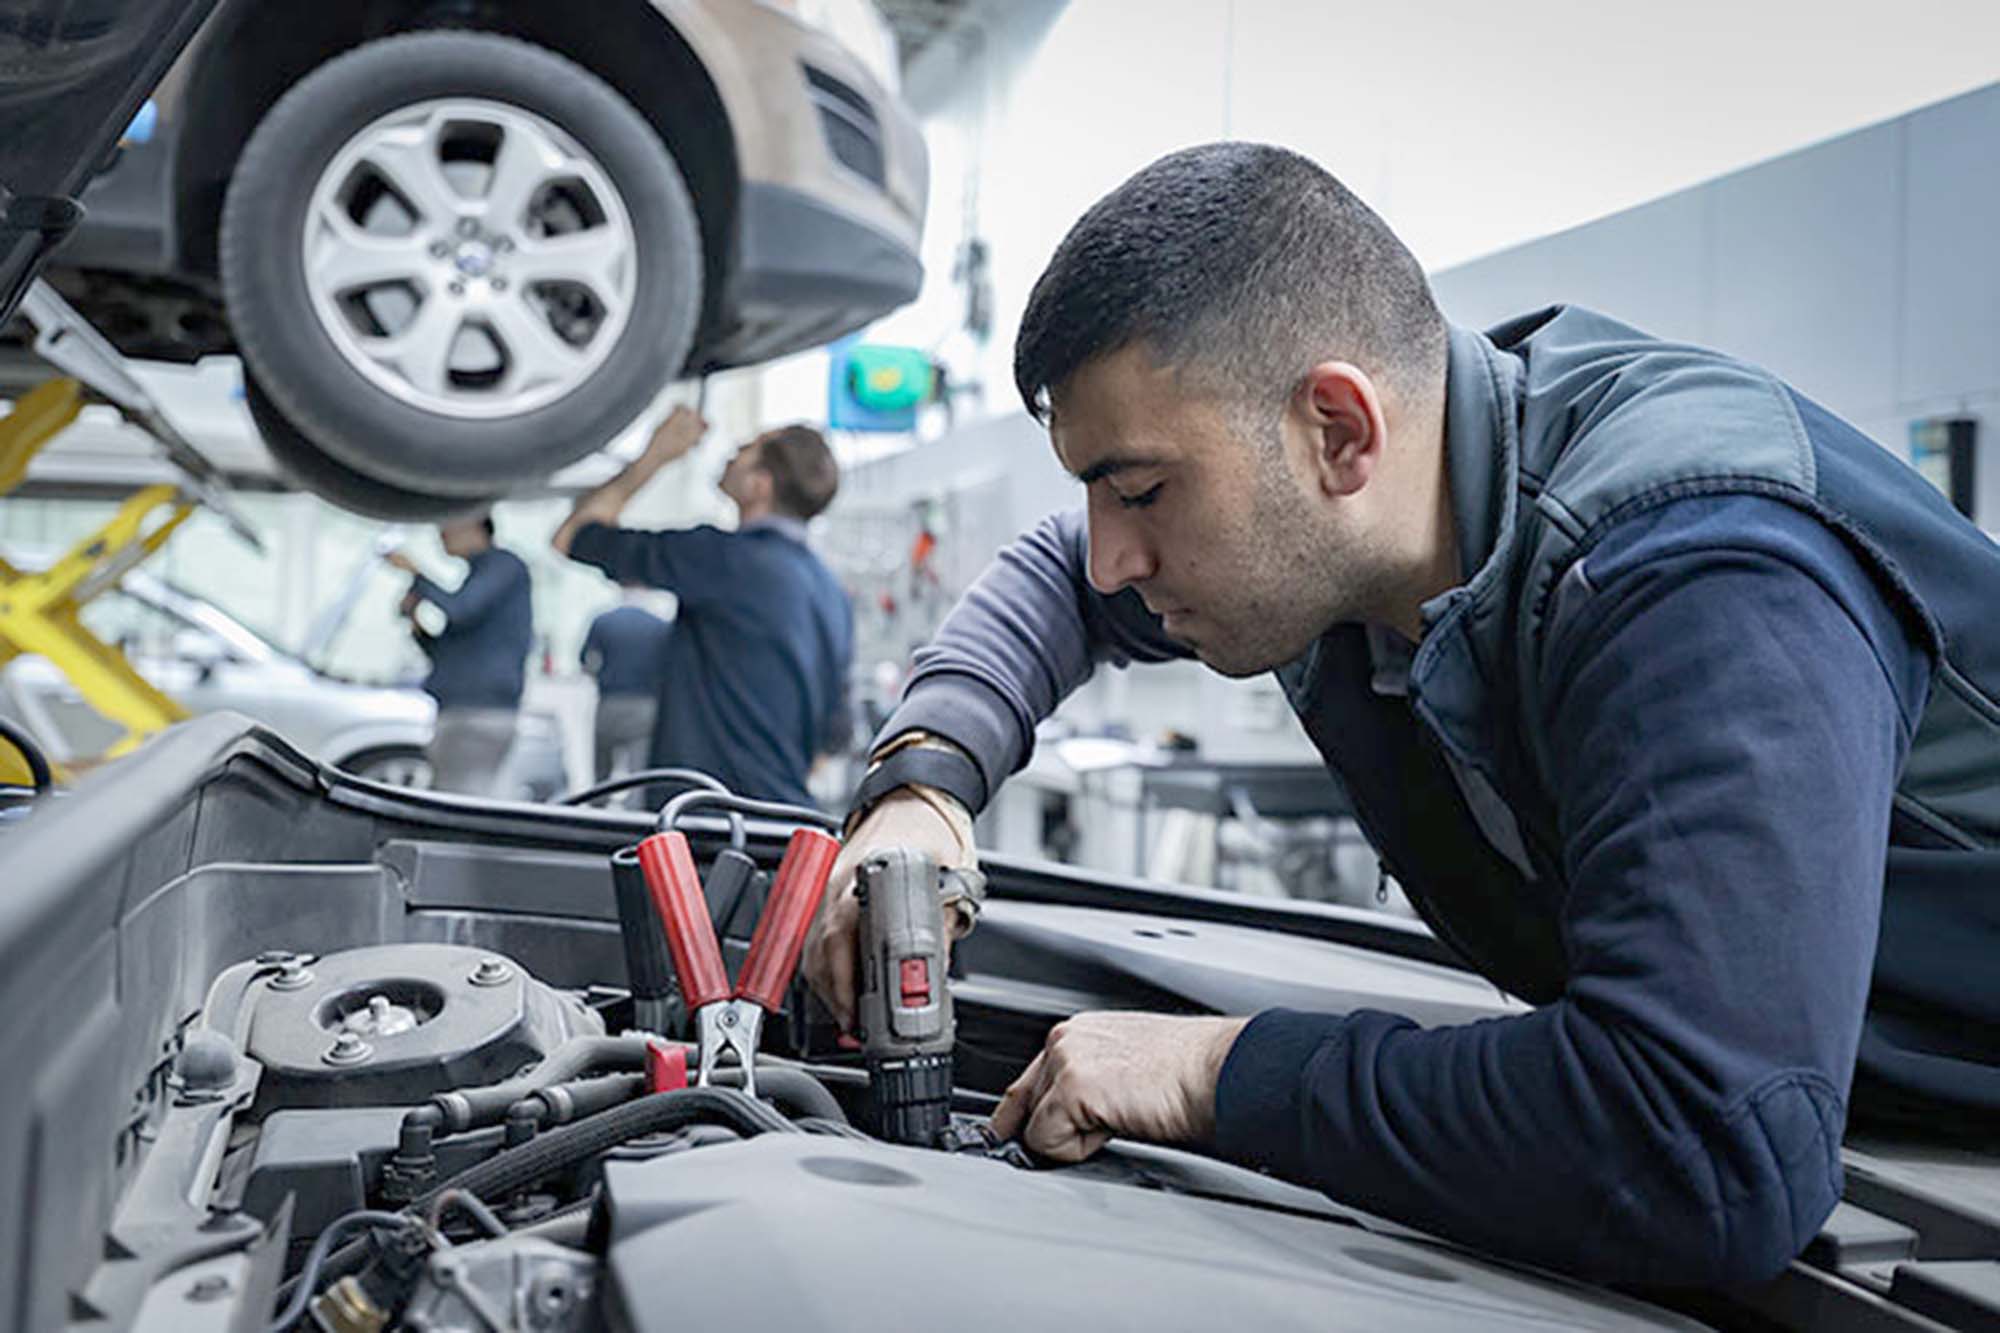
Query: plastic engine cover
(798, 1231)
(396, 1023)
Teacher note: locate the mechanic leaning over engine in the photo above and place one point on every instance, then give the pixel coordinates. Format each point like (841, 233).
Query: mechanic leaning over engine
(479, 659)
(754, 685)
(1671, 700)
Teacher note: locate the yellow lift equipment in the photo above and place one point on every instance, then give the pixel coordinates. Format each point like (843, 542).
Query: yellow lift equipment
(39, 611)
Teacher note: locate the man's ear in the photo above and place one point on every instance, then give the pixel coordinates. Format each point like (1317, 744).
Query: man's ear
(1342, 413)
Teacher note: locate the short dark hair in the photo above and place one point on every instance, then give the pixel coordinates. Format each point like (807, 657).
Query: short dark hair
(1240, 264)
(804, 476)
(491, 531)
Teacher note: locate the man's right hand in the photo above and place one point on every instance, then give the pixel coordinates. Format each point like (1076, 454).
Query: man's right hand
(672, 439)
(677, 435)
(832, 959)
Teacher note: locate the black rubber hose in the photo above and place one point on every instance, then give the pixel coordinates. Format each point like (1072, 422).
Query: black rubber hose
(39, 772)
(796, 1092)
(517, 1168)
(563, 1103)
(473, 1108)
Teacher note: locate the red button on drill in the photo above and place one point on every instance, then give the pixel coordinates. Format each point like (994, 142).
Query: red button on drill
(916, 983)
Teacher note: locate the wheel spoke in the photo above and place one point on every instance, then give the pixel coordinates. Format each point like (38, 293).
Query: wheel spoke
(525, 161)
(407, 157)
(344, 257)
(597, 259)
(421, 351)
(535, 353)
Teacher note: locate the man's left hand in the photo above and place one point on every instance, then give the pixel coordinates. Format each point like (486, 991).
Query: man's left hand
(1141, 1076)
(411, 600)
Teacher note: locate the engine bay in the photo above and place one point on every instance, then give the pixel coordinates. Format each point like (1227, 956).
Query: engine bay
(354, 1058)
(425, 1135)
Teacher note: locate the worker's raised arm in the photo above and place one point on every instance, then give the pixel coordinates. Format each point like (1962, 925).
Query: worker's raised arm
(1021, 640)
(675, 437)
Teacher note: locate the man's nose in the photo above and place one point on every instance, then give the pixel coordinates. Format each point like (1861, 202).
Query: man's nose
(1119, 554)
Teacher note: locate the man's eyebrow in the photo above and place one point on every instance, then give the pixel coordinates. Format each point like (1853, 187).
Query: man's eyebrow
(1105, 467)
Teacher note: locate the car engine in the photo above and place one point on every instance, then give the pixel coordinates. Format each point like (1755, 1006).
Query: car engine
(351, 1058)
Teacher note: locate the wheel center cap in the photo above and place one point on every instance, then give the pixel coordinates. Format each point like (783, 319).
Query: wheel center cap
(473, 258)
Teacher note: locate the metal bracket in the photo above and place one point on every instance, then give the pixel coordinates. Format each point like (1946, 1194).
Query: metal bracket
(66, 340)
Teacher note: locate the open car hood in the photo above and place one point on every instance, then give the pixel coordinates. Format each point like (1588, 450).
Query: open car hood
(136, 911)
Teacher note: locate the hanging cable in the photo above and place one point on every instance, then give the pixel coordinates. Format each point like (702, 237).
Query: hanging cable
(691, 777)
(645, 777)
(305, 1284)
(670, 814)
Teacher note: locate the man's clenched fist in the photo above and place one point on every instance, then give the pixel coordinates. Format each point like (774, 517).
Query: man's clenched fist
(1106, 1075)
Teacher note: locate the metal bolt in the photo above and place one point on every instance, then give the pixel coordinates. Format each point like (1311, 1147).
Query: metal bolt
(456, 287)
(211, 1288)
(439, 249)
(468, 227)
(504, 244)
(348, 1049)
(491, 971)
(292, 975)
(552, 1294)
(499, 284)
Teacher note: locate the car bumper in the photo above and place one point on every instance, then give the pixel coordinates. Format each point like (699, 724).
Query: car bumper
(806, 273)
(835, 179)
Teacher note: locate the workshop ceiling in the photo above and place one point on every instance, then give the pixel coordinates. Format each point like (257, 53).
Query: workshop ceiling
(918, 23)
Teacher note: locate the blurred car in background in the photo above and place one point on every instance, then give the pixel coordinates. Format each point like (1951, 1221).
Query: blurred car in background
(209, 661)
(461, 244)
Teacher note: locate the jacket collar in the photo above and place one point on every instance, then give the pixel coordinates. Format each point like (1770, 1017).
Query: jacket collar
(1482, 453)
(782, 524)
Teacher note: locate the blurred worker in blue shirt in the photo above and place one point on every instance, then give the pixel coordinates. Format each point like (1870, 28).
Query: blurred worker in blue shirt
(756, 668)
(478, 659)
(625, 651)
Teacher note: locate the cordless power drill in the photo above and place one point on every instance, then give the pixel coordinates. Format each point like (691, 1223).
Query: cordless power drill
(905, 1007)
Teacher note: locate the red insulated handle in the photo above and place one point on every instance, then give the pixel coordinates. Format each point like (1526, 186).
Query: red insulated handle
(781, 933)
(676, 891)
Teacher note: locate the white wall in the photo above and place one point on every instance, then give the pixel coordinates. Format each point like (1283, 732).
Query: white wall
(1864, 270)
(1470, 126)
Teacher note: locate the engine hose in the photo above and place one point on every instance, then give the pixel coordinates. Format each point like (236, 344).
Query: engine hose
(563, 1103)
(475, 1108)
(517, 1168)
(795, 1092)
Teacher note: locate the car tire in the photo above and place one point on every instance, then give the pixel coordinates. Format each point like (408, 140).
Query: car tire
(384, 127)
(393, 765)
(311, 468)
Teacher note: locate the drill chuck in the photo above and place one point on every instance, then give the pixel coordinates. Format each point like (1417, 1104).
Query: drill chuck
(909, 1100)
